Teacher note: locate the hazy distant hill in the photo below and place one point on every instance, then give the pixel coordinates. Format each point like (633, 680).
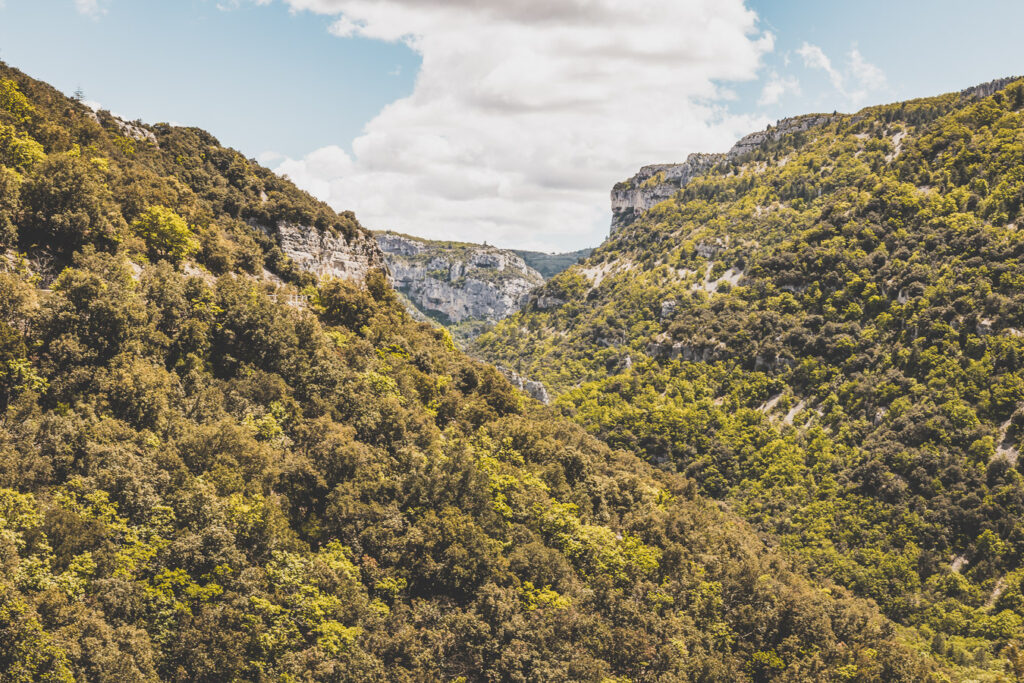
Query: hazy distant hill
(550, 265)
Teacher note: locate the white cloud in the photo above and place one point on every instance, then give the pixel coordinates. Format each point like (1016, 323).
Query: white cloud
(815, 58)
(867, 75)
(525, 112)
(318, 171)
(90, 8)
(776, 88)
(229, 5)
(859, 80)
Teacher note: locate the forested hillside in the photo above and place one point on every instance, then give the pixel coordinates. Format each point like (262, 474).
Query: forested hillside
(215, 466)
(826, 332)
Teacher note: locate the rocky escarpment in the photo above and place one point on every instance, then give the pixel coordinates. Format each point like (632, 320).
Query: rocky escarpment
(327, 254)
(457, 282)
(987, 89)
(532, 388)
(658, 182)
(136, 130)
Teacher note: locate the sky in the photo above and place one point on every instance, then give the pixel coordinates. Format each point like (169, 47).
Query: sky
(504, 121)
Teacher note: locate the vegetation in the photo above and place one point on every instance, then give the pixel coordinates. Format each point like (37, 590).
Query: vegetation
(550, 265)
(825, 333)
(165, 233)
(199, 482)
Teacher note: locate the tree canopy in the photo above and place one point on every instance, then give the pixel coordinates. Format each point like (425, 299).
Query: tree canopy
(215, 466)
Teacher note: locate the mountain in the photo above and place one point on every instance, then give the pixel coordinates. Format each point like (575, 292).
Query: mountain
(228, 453)
(659, 182)
(465, 286)
(823, 329)
(551, 264)
(457, 282)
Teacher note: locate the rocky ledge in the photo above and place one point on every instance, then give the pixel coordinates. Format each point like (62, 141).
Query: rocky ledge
(454, 282)
(659, 182)
(329, 254)
(534, 389)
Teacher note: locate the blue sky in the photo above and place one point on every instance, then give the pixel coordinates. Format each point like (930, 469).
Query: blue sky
(258, 77)
(497, 120)
(923, 48)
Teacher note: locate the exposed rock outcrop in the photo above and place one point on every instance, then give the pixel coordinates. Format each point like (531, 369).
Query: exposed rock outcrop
(534, 389)
(326, 254)
(455, 282)
(656, 183)
(987, 89)
(136, 130)
(784, 127)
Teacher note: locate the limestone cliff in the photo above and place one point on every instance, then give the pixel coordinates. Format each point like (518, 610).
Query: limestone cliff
(456, 282)
(327, 254)
(534, 389)
(658, 182)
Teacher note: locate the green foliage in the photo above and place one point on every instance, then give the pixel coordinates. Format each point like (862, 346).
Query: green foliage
(66, 204)
(10, 204)
(18, 150)
(166, 233)
(13, 103)
(293, 492)
(856, 393)
(201, 482)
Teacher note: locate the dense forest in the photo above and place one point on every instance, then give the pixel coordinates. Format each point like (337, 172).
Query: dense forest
(826, 333)
(217, 467)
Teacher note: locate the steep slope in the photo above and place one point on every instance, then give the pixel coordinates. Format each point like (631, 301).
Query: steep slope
(74, 165)
(457, 282)
(658, 182)
(824, 329)
(207, 474)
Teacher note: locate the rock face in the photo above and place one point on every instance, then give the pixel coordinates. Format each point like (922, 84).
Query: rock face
(781, 129)
(535, 390)
(330, 255)
(654, 184)
(455, 282)
(986, 89)
(659, 182)
(135, 130)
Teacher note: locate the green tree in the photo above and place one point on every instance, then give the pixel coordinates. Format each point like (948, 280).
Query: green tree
(166, 233)
(10, 191)
(19, 150)
(14, 102)
(65, 204)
